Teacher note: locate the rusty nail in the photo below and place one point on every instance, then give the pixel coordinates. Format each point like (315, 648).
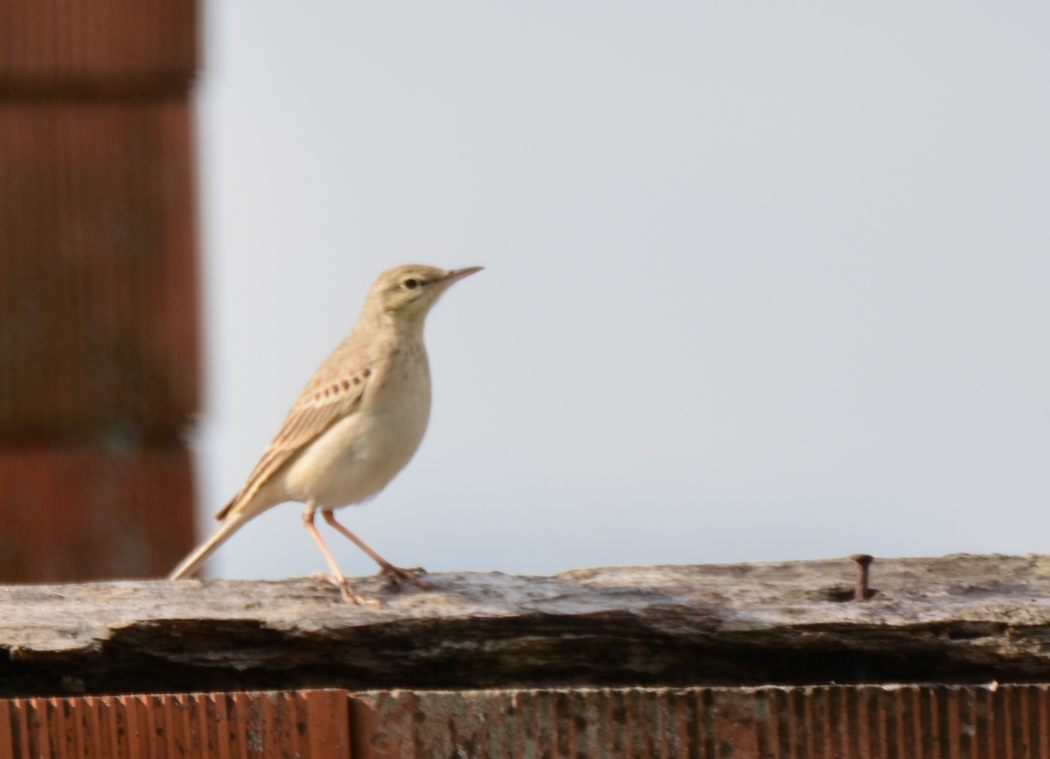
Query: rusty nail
(860, 590)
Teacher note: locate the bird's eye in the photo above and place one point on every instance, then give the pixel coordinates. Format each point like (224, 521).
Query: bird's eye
(411, 284)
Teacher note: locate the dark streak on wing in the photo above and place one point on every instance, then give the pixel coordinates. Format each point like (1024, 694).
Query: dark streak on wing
(308, 418)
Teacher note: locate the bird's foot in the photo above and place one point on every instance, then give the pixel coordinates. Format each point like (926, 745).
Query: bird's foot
(349, 594)
(398, 576)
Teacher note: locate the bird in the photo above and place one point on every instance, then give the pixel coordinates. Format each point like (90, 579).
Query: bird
(353, 428)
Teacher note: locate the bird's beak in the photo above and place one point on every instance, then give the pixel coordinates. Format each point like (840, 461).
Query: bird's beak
(457, 274)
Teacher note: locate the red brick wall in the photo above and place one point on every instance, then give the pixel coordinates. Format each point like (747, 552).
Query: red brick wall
(99, 313)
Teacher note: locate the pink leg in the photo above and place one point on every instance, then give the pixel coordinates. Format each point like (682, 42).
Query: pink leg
(397, 574)
(336, 578)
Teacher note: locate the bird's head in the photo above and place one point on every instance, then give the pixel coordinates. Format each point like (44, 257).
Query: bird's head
(406, 293)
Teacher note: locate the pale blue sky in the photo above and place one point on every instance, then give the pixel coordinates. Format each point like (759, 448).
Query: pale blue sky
(764, 281)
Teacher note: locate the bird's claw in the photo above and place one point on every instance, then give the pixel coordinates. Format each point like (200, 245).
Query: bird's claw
(398, 576)
(349, 594)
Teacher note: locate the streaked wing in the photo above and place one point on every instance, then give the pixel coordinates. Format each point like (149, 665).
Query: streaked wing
(316, 410)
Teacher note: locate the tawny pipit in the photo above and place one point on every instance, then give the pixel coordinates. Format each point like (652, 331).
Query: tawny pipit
(355, 425)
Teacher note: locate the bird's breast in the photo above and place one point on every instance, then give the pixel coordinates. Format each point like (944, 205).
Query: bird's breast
(360, 454)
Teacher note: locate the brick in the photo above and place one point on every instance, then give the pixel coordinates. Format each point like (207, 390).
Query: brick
(75, 513)
(49, 46)
(98, 271)
(235, 725)
(786, 721)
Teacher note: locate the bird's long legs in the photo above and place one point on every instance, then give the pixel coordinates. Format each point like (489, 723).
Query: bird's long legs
(337, 578)
(397, 574)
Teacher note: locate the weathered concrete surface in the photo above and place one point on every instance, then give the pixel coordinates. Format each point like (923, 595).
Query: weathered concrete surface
(957, 619)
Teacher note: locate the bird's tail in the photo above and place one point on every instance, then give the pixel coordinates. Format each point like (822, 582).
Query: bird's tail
(191, 563)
